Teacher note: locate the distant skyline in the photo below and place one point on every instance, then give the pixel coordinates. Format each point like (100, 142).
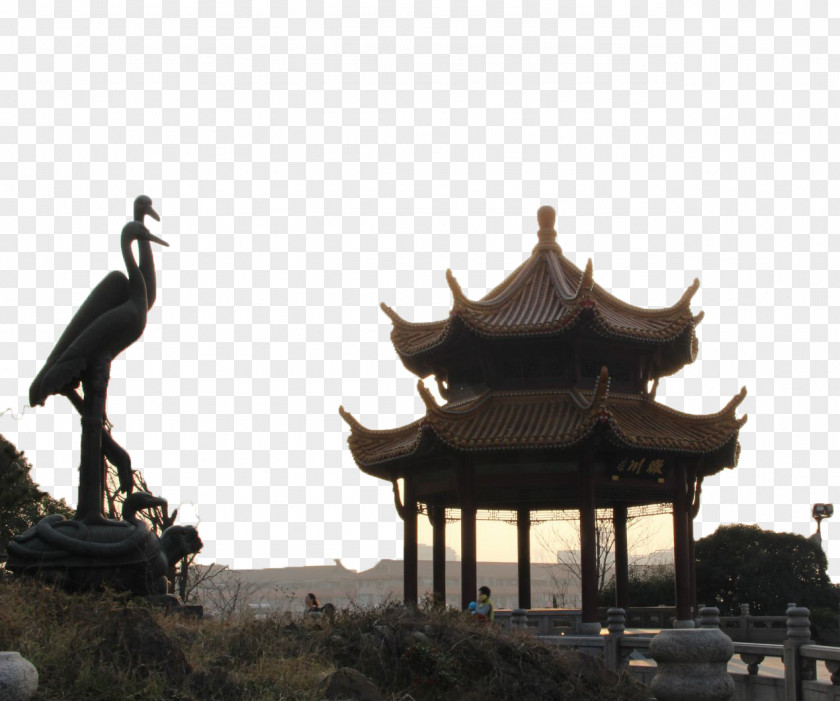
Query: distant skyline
(312, 163)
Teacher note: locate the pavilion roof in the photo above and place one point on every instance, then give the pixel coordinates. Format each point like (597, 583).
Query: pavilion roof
(548, 295)
(549, 419)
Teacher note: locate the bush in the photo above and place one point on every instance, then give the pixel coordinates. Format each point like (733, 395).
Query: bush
(651, 585)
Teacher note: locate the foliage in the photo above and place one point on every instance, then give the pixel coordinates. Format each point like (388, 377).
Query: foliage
(564, 543)
(22, 504)
(649, 585)
(99, 648)
(742, 564)
(221, 591)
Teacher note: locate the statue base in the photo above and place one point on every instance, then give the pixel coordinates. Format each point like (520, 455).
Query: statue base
(112, 554)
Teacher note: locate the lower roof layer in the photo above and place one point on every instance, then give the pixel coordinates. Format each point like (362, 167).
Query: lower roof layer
(557, 422)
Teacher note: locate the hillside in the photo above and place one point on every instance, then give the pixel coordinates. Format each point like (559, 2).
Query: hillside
(103, 648)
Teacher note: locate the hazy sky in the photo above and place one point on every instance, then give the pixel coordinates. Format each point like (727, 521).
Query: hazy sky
(311, 160)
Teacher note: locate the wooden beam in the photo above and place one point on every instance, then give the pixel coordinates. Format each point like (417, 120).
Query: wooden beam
(409, 545)
(682, 562)
(467, 498)
(523, 542)
(437, 515)
(622, 569)
(588, 540)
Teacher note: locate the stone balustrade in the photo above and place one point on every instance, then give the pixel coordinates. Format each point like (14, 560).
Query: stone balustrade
(798, 654)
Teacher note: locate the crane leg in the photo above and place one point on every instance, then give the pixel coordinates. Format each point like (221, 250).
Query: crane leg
(95, 384)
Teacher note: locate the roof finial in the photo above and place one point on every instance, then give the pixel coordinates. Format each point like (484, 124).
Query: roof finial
(546, 216)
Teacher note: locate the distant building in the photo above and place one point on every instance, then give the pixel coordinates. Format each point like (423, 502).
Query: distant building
(283, 589)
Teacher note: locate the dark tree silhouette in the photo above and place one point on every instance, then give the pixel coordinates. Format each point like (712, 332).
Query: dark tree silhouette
(742, 564)
(22, 504)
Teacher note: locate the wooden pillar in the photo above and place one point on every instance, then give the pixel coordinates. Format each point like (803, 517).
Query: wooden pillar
(523, 542)
(588, 545)
(466, 495)
(693, 509)
(410, 544)
(437, 515)
(622, 567)
(692, 569)
(682, 563)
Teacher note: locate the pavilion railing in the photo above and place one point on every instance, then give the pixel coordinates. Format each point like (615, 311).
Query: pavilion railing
(745, 628)
(801, 679)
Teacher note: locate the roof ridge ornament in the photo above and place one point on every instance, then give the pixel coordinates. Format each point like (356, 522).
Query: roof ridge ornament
(685, 300)
(427, 397)
(587, 282)
(459, 298)
(602, 390)
(351, 421)
(391, 313)
(546, 216)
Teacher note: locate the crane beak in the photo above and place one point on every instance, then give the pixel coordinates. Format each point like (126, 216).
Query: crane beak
(151, 237)
(152, 213)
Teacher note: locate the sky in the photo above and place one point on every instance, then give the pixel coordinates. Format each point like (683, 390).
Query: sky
(311, 160)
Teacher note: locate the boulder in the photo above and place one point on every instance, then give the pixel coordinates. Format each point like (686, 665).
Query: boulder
(347, 683)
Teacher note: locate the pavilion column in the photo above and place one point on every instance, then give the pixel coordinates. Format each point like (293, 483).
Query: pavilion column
(437, 515)
(523, 542)
(588, 556)
(692, 570)
(622, 567)
(409, 544)
(693, 509)
(467, 498)
(682, 562)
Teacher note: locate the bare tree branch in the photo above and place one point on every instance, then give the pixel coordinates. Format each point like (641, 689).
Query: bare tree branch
(564, 544)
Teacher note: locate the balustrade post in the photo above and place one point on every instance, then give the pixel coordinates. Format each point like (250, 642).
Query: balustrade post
(691, 663)
(519, 619)
(797, 669)
(710, 617)
(743, 623)
(612, 645)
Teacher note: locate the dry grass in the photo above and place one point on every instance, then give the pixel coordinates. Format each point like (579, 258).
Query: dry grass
(104, 648)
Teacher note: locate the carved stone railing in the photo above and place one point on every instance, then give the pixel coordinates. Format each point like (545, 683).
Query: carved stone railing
(795, 679)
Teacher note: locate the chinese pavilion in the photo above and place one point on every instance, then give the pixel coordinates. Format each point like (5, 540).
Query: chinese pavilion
(549, 385)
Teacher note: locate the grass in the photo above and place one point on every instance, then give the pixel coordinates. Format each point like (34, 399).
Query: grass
(102, 647)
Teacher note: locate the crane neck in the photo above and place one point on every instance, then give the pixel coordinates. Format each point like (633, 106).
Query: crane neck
(136, 283)
(147, 269)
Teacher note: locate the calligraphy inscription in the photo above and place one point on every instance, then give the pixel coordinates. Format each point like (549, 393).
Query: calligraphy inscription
(641, 466)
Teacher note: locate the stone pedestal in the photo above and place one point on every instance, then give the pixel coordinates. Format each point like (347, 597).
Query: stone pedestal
(691, 665)
(18, 678)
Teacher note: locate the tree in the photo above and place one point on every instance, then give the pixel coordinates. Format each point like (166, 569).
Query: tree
(222, 591)
(564, 543)
(22, 504)
(649, 585)
(743, 564)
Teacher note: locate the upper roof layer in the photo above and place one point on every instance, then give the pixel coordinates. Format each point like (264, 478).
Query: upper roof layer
(548, 295)
(553, 419)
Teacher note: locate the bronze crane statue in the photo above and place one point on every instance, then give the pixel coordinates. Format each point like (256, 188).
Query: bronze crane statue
(111, 319)
(115, 287)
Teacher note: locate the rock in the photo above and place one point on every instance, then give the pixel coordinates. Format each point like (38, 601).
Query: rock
(215, 683)
(417, 637)
(18, 677)
(349, 684)
(133, 639)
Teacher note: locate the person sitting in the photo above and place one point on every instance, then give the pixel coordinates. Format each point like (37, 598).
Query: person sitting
(484, 609)
(312, 605)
